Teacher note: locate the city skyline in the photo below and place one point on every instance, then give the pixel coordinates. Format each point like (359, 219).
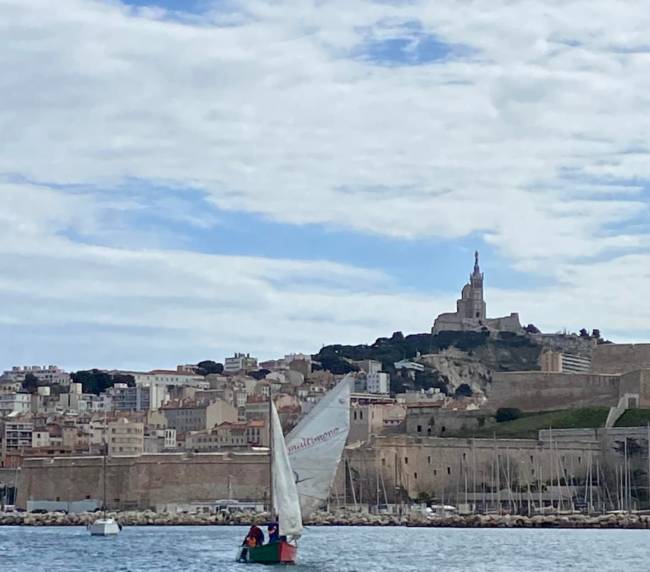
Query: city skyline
(183, 183)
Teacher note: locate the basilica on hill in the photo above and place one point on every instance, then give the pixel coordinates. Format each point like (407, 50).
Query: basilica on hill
(471, 310)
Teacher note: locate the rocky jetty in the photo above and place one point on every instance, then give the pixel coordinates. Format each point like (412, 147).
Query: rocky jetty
(148, 518)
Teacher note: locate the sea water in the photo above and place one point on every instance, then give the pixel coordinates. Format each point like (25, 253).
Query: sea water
(336, 549)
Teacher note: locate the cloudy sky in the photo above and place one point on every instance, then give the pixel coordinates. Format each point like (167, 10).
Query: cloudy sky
(183, 179)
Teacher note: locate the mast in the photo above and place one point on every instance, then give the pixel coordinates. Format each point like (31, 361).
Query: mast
(271, 451)
(104, 451)
(648, 439)
(104, 481)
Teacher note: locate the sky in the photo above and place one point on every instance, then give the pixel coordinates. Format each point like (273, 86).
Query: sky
(180, 180)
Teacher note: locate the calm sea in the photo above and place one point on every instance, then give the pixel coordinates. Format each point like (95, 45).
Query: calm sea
(185, 549)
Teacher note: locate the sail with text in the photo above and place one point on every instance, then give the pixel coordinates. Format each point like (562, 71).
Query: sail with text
(286, 502)
(316, 446)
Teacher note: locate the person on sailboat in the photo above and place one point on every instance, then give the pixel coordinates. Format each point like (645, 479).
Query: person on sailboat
(274, 532)
(254, 537)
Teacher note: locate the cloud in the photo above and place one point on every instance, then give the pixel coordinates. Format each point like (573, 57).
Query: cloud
(533, 137)
(273, 115)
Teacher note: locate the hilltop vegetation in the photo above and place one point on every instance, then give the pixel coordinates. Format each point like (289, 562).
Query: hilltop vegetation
(503, 352)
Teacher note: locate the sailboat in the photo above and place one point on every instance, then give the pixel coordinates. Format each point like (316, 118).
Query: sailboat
(284, 502)
(104, 526)
(303, 468)
(316, 446)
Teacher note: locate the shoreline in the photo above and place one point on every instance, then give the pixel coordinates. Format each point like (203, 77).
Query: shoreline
(147, 518)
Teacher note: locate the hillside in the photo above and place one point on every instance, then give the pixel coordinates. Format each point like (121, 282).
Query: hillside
(451, 359)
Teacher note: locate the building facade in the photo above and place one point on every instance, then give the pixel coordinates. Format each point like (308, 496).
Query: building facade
(378, 382)
(46, 375)
(240, 363)
(125, 438)
(198, 416)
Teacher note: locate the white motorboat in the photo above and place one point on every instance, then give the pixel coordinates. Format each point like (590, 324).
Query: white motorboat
(104, 527)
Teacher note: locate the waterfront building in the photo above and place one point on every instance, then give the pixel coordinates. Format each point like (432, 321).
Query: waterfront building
(159, 440)
(17, 434)
(223, 436)
(125, 438)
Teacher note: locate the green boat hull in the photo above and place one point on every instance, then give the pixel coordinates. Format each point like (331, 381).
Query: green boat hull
(276, 553)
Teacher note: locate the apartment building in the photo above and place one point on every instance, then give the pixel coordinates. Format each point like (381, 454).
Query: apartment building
(187, 416)
(125, 438)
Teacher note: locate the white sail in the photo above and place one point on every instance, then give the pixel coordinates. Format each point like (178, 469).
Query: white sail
(285, 494)
(316, 445)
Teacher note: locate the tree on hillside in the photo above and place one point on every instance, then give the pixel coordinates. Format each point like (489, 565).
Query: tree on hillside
(584, 333)
(595, 333)
(93, 381)
(337, 365)
(208, 366)
(463, 390)
(30, 385)
(125, 378)
(532, 329)
(505, 414)
(259, 374)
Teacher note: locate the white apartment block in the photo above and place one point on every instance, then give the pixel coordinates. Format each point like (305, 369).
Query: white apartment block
(378, 382)
(17, 435)
(168, 377)
(559, 362)
(47, 375)
(240, 362)
(15, 403)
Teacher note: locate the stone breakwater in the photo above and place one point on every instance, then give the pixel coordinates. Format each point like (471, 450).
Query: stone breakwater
(146, 518)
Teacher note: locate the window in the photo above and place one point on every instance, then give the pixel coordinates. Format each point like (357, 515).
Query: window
(383, 462)
(415, 476)
(435, 472)
(429, 460)
(406, 460)
(419, 429)
(449, 470)
(360, 414)
(531, 458)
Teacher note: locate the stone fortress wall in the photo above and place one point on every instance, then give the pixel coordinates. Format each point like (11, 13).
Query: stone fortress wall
(443, 467)
(541, 391)
(148, 481)
(617, 370)
(620, 358)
